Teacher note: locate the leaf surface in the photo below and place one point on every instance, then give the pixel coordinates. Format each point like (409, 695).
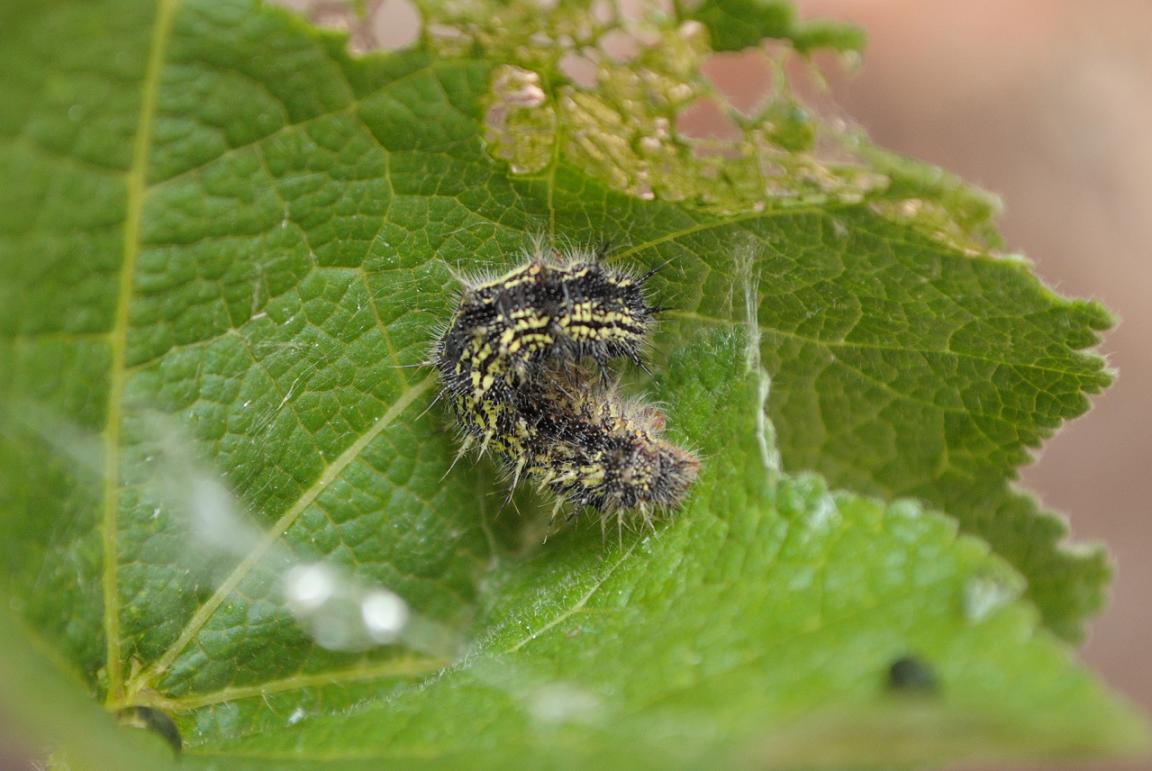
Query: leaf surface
(225, 220)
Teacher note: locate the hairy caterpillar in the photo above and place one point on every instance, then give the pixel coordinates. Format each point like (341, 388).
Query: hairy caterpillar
(591, 447)
(509, 363)
(571, 308)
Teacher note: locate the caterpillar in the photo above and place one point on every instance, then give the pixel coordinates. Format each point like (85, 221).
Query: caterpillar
(592, 448)
(571, 308)
(510, 362)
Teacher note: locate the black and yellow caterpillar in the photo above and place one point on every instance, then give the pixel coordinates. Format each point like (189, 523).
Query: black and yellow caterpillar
(508, 326)
(512, 364)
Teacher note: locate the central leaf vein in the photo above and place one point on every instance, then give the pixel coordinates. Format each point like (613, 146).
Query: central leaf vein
(136, 182)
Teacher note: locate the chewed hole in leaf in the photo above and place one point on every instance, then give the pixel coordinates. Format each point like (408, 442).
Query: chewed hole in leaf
(581, 70)
(394, 24)
(620, 46)
(520, 128)
(622, 112)
(705, 119)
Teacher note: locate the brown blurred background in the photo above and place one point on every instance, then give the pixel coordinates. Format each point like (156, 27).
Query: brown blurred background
(1049, 104)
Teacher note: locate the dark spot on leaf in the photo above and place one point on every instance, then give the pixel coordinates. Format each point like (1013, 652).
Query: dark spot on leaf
(910, 674)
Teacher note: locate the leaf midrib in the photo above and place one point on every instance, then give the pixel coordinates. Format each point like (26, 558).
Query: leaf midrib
(137, 188)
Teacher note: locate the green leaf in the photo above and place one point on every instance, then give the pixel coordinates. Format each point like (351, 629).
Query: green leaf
(737, 24)
(227, 253)
(45, 704)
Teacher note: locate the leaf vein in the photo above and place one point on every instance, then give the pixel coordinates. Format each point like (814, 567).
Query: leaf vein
(150, 676)
(136, 182)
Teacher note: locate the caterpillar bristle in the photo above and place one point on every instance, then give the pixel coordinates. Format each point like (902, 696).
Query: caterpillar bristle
(431, 404)
(460, 453)
(653, 271)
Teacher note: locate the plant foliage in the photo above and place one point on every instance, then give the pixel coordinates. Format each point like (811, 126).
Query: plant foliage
(213, 214)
